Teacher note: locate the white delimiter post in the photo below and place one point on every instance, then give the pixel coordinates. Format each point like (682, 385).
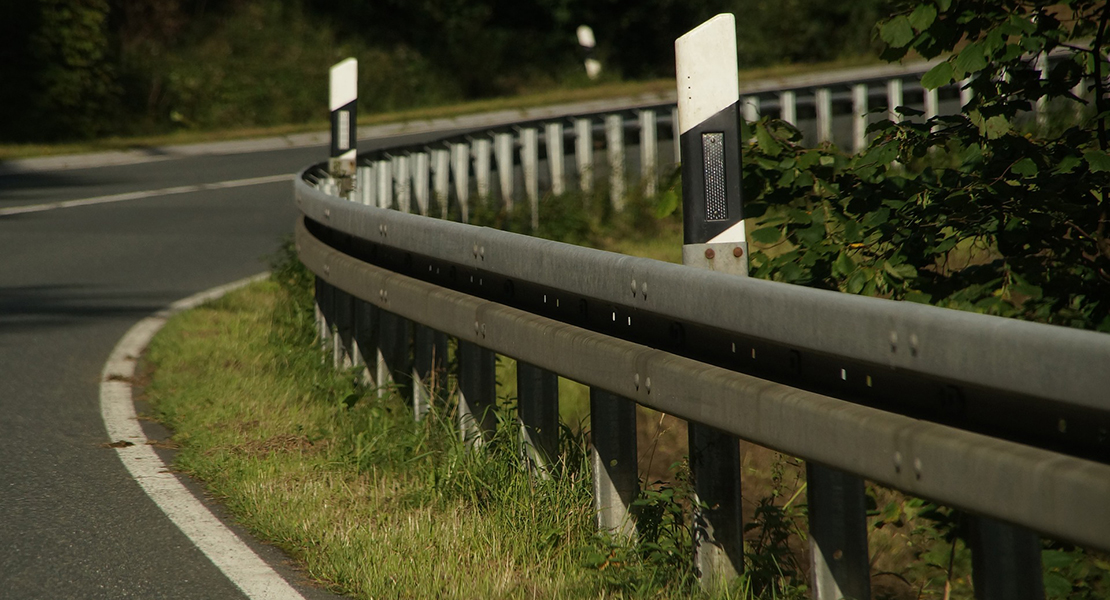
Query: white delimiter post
(343, 96)
(713, 238)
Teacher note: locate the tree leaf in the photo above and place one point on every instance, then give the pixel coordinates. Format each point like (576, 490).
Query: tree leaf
(1097, 160)
(970, 60)
(1025, 167)
(897, 32)
(766, 141)
(937, 76)
(923, 16)
(767, 235)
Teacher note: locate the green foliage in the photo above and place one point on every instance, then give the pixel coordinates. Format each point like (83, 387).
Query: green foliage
(967, 211)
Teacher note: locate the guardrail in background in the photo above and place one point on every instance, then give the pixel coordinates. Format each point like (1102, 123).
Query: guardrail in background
(1005, 419)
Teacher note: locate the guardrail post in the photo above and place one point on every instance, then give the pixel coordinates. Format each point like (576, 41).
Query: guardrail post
(932, 103)
(481, 149)
(393, 351)
(529, 164)
(343, 102)
(613, 457)
(823, 99)
(713, 238)
(584, 153)
(344, 329)
(385, 183)
(503, 143)
(364, 178)
(366, 339)
(614, 142)
(403, 182)
(1005, 561)
(441, 186)
(553, 137)
(428, 368)
(323, 312)
(859, 116)
(837, 534)
(894, 99)
(751, 108)
(477, 393)
(649, 151)
(538, 405)
(788, 107)
(966, 92)
(421, 185)
(460, 166)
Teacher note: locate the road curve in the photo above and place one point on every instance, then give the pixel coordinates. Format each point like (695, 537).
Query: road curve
(73, 523)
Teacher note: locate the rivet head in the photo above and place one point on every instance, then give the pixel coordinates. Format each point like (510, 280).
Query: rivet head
(475, 250)
(483, 330)
(897, 462)
(738, 252)
(643, 289)
(917, 467)
(647, 384)
(477, 327)
(327, 212)
(633, 287)
(636, 380)
(710, 254)
(327, 269)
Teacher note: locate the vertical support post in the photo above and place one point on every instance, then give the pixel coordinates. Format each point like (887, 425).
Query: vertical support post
(441, 186)
(394, 364)
(788, 106)
(614, 143)
(403, 182)
(584, 153)
(713, 238)
(965, 92)
(366, 338)
(323, 329)
(460, 166)
(553, 137)
(859, 116)
(538, 405)
(481, 149)
(932, 103)
(364, 181)
(1042, 102)
(385, 183)
(343, 101)
(823, 99)
(1005, 561)
(750, 106)
(837, 534)
(529, 163)
(505, 167)
(649, 152)
(429, 350)
(421, 186)
(613, 458)
(344, 329)
(894, 99)
(477, 393)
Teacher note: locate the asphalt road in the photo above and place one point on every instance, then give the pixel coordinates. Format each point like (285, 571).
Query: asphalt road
(73, 524)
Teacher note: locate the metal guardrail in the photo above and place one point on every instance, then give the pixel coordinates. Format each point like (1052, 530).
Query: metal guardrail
(1006, 419)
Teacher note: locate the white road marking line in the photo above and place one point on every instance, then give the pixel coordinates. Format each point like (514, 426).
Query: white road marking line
(229, 553)
(183, 189)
